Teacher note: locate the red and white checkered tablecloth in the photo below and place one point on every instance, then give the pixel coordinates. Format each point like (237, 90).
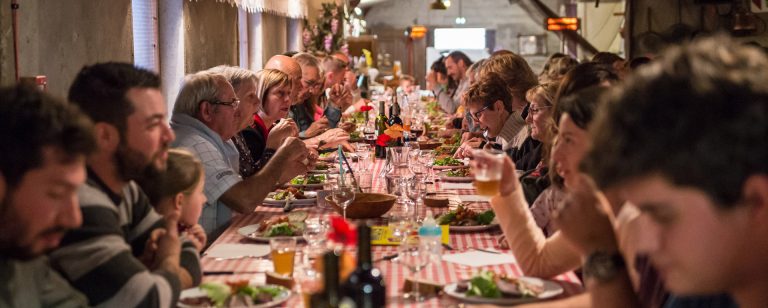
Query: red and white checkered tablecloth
(394, 273)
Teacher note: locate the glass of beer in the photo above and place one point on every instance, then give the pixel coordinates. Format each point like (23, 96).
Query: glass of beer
(487, 171)
(283, 252)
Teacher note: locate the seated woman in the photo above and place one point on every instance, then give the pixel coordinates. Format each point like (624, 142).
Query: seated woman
(254, 147)
(539, 256)
(179, 191)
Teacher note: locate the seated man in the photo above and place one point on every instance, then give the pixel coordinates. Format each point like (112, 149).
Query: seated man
(206, 116)
(42, 164)
(122, 256)
(685, 141)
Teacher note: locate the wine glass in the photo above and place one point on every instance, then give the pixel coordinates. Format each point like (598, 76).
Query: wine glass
(428, 158)
(415, 255)
(343, 194)
(416, 192)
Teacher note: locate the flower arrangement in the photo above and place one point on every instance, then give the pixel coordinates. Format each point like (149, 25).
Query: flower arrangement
(326, 36)
(391, 135)
(342, 232)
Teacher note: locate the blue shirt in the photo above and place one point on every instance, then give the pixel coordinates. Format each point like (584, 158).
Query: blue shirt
(221, 162)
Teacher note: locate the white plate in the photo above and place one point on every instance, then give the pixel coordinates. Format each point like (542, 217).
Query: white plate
(551, 289)
(311, 198)
(197, 292)
(472, 228)
(460, 179)
(448, 167)
(248, 231)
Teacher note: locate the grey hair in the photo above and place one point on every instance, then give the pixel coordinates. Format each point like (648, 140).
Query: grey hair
(235, 75)
(305, 59)
(197, 87)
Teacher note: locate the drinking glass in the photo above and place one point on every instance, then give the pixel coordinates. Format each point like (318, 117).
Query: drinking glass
(308, 281)
(363, 151)
(487, 169)
(343, 195)
(314, 233)
(365, 181)
(283, 251)
(400, 223)
(415, 255)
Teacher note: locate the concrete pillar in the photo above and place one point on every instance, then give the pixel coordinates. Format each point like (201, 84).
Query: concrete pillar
(242, 38)
(171, 38)
(255, 41)
(295, 41)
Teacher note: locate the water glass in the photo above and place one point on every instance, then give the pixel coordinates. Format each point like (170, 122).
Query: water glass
(365, 181)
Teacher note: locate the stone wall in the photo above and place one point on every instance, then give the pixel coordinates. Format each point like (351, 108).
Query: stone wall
(57, 38)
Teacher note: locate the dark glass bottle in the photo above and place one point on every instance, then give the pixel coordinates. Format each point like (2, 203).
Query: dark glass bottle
(394, 118)
(381, 125)
(330, 296)
(365, 286)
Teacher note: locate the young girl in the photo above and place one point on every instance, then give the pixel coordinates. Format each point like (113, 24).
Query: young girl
(180, 189)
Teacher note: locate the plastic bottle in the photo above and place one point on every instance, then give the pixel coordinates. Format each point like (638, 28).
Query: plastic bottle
(431, 234)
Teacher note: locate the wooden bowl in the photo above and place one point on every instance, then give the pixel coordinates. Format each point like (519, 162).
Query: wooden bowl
(436, 201)
(426, 145)
(366, 205)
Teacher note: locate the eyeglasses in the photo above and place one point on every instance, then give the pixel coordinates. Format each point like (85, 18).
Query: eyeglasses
(534, 111)
(235, 103)
(476, 114)
(312, 83)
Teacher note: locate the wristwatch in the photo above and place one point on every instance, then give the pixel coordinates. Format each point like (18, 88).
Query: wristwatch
(603, 266)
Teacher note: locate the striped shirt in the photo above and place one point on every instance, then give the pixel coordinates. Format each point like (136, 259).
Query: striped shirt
(513, 132)
(100, 257)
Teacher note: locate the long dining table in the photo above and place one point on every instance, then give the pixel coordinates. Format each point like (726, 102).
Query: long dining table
(395, 274)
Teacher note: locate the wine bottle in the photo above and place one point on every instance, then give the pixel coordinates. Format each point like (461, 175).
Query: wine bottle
(365, 286)
(329, 297)
(381, 125)
(394, 118)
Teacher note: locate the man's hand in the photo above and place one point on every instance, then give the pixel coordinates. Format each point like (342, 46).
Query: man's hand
(196, 235)
(584, 218)
(293, 154)
(466, 148)
(333, 137)
(283, 129)
(317, 127)
(340, 97)
(348, 127)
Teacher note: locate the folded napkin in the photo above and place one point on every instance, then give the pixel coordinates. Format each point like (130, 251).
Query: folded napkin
(231, 251)
(476, 258)
(456, 185)
(474, 198)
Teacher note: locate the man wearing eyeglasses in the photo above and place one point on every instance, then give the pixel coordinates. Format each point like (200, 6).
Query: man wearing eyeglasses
(206, 116)
(490, 104)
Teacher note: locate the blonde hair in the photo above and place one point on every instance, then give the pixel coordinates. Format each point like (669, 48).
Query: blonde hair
(268, 79)
(197, 87)
(182, 174)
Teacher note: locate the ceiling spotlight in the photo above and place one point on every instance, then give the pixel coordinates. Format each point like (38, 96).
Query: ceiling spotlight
(438, 5)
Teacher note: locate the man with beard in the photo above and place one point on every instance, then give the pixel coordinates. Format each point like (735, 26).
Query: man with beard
(42, 164)
(122, 256)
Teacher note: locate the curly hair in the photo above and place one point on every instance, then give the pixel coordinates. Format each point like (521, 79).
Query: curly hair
(514, 72)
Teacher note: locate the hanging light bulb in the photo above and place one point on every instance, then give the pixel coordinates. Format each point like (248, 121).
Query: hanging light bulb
(460, 20)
